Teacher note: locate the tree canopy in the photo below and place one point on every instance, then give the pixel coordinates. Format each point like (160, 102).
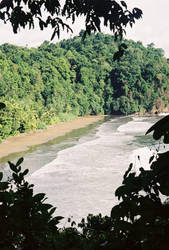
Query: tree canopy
(56, 82)
(22, 13)
(94, 83)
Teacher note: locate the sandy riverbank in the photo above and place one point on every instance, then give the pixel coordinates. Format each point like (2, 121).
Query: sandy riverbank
(23, 141)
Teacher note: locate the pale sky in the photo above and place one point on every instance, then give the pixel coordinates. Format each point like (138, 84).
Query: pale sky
(152, 28)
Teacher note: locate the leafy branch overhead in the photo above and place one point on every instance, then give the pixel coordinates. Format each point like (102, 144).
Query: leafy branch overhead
(51, 13)
(160, 128)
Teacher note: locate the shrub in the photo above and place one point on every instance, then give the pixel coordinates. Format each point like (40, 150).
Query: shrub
(139, 222)
(26, 220)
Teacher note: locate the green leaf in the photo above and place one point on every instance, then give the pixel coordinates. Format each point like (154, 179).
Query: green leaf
(25, 172)
(19, 161)
(54, 33)
(46, 206)
(52, 210)
(39, 197)
(137, 13)
(57, 219)
(160, 128)
(12, 167)
(124, 4)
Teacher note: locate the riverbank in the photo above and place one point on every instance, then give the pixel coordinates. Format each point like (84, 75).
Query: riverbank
(23, 141)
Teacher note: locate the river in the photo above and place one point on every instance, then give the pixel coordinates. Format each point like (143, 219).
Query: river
(81, 173)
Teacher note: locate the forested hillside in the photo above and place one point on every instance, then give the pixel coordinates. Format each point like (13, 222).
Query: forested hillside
(55, 82)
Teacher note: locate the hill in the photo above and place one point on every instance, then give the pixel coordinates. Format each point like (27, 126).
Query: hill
(56, 82)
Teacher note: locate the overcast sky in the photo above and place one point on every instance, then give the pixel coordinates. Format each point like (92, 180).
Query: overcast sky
(152, 28)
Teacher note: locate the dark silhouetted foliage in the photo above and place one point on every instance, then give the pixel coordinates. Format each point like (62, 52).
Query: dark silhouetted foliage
(22, 13)
(139, 222)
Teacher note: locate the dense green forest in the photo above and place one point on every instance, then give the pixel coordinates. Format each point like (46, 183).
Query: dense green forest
(56, 82)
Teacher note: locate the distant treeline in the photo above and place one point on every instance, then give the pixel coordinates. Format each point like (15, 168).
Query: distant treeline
(55, 82)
